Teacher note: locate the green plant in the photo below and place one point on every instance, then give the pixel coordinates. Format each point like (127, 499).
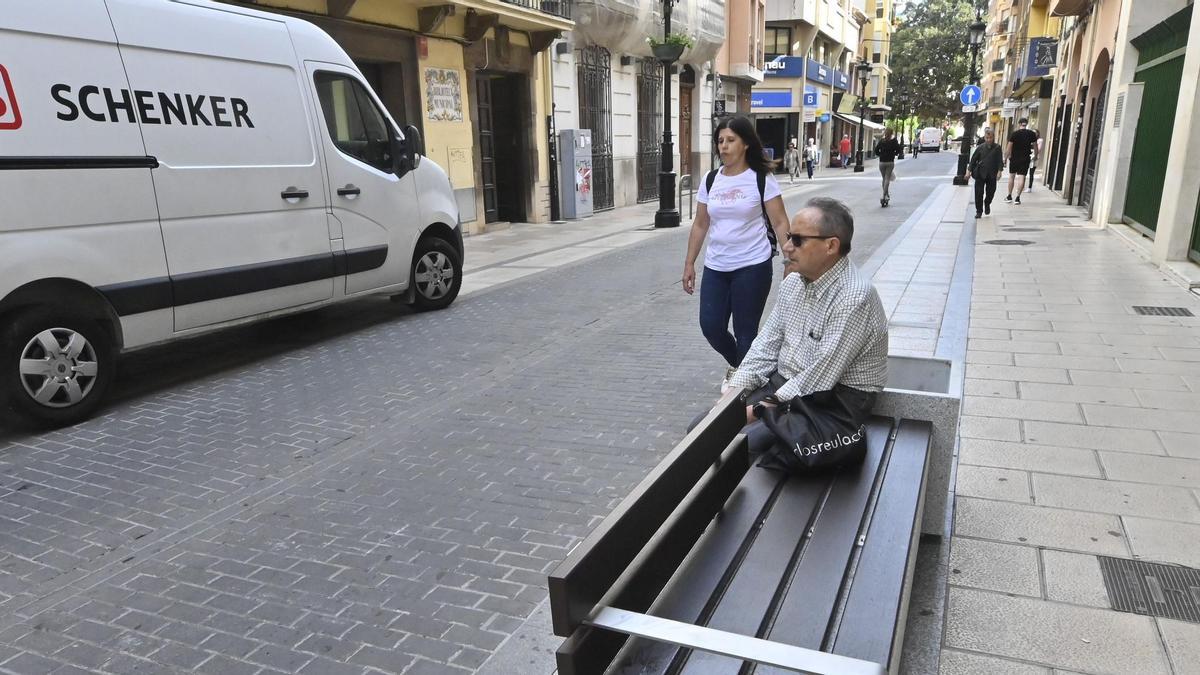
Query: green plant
(677, 39)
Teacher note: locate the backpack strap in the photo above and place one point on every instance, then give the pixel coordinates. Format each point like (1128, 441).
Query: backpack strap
(762, 201)
(708, 180)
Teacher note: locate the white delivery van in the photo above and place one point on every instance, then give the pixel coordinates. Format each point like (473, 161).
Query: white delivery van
(930, 140)
(172, 167)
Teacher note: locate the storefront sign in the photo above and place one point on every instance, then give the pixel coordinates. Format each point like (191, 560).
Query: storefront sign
(443, 95)
(810, 97)
(841, 80)
(1043, 55)
(784, 66)
(819, 73)
(779, 98)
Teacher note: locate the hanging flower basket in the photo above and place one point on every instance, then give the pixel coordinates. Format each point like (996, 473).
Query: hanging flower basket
(669, 49)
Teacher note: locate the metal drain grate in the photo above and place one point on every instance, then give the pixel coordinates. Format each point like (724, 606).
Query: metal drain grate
(1154, 589)
(1023, 229)
(1008, 242)
(1147, 310)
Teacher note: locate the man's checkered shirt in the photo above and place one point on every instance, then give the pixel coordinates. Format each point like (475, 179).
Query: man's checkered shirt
(821, 333)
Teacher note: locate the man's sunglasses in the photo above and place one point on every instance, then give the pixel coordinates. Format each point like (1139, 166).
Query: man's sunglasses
(799, 239)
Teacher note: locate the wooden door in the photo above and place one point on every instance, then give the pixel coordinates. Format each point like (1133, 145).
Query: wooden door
(685, 129)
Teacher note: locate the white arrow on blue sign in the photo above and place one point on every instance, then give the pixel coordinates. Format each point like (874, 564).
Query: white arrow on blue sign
(970, 95)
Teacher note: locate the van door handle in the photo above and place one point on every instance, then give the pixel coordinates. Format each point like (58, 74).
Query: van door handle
(293, 193)
(349, 190)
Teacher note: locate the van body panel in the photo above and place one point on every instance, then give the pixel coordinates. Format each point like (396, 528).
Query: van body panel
(373, 215)
(245, 140)
(84, 222)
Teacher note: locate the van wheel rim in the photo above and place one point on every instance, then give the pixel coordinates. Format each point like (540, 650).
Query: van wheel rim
(434, 275)
(58, 368)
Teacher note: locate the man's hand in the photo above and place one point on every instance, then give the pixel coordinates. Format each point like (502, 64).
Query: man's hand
(689, 279)
(750, 411)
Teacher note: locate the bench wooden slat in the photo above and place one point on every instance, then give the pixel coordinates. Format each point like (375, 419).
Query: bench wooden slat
(885, 567)
(803, 617)
(744, 604)
(705, 567)
(652, 569)
(588, 572)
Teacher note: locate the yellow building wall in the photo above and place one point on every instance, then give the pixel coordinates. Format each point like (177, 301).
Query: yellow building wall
(449, 143)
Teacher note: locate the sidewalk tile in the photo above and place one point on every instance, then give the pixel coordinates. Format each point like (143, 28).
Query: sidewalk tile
(987, 333)
(1104, 328)
(1163, 541)
(1062, 338)
(1111, 351)
(1098, 438)
(1074, 578)
(1009, 324)
(1147, 341)
(1095, 363)
(1014, 346)
(1183, 645)
(1049, 375)
(1159, 366)
(1157, 470)
(1170, 400)
(981, 387)
(1181, 445)
(1021, 409)
(990, 358)
(992, 483)
(1116, 497)
(1129, 380)
(1040, 391)
(1084, 639)
(1039, 526)
(1029, 457)
(993, 566)
(1141, 418)
(993, 428)
(964, 663)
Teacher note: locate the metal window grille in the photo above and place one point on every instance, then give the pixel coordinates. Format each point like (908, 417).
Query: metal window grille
(595, 113)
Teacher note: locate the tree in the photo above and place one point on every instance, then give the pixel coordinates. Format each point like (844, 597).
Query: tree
(931, 57)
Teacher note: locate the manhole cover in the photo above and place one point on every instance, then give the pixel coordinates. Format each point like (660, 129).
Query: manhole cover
(1023, 229)
(1008, 242)
(1147, 310)
(1154, 589)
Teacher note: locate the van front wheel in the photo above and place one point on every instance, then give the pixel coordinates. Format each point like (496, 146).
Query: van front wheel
(54, 368)
(436, 274)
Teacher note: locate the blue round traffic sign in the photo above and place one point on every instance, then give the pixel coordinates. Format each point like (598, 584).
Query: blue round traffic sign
(825, 117)
(970, 95)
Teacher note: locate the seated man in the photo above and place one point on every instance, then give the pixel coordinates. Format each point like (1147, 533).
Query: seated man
(827, 331)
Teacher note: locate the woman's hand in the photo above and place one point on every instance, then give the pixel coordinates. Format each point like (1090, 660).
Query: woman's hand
(689, 279)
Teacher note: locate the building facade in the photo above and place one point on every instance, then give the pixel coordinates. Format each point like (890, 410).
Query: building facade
(472, 76)
(877, 50)
(808, 90)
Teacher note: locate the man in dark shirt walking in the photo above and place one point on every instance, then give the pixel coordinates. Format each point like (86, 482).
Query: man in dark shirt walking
(986, 163)
(886, 150)
(1021, 150)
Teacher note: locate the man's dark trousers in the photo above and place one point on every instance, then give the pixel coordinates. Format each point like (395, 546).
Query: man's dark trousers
(987, 183)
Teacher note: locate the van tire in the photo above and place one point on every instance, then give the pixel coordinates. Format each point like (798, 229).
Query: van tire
(436, 274)
(77, 393)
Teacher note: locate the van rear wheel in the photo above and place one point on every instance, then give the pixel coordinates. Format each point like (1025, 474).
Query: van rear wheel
(54, 368)
(436, 274)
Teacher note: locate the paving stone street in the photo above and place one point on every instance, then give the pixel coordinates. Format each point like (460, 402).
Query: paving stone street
(362, 488)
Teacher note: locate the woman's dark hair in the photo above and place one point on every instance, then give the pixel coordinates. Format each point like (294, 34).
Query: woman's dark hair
(756, 157)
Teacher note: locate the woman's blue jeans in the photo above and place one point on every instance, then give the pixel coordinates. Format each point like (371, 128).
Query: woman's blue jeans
(740, 294)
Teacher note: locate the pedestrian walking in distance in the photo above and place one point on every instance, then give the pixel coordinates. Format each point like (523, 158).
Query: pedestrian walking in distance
(1021, 152)
(791, 161)
(886, 150)
(844, 149)
(810, 156)
(740, 212)
(986, 163)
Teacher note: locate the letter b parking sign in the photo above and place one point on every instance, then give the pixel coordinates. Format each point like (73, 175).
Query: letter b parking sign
(10, 114)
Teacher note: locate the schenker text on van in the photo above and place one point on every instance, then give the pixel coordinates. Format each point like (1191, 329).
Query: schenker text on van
(103, 104)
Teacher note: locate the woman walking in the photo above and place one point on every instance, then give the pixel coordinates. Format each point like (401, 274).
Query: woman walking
(791, 162)
(735, 203)
(810, 156)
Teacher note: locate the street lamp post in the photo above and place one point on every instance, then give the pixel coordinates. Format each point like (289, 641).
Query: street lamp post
(667, 214)
(975, 35)
(864, 71)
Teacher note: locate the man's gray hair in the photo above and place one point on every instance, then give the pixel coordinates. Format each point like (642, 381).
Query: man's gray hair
(836, 221)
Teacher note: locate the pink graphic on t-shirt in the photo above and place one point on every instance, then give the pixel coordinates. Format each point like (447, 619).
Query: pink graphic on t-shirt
(729, 196)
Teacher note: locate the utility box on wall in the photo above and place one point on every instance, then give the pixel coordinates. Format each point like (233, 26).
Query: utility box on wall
(575, 172)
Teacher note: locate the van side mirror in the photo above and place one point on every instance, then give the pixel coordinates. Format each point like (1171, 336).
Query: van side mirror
(407, 153)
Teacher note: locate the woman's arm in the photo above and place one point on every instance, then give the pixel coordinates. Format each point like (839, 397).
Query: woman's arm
(777, 212)
(695, 241)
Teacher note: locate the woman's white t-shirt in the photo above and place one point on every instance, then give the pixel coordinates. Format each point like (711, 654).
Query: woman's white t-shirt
(737, 236)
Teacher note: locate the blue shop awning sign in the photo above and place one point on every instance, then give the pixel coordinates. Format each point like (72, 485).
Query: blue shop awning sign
(771, 99)
(810, 96)
(784, 66)
(820, 73)
(841, 80)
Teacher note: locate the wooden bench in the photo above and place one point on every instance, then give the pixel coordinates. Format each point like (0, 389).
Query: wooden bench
(710, 562)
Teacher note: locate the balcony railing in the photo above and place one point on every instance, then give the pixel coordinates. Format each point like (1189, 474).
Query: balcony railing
(556, 7)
